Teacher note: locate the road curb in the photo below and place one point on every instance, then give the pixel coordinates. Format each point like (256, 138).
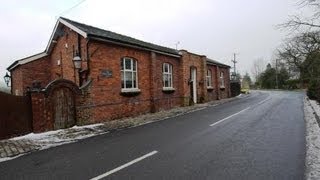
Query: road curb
(312, 163)
(15, 145)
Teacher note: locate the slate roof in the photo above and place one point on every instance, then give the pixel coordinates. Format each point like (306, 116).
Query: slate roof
(108, 35)
(216, 62)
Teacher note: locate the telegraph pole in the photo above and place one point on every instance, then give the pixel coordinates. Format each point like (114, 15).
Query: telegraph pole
(177, 45)
(234, 66)
(277, 83)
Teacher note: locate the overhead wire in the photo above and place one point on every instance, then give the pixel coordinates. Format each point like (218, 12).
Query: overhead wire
(68, 10)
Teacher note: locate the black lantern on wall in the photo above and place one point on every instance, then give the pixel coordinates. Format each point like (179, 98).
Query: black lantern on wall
(7, 79)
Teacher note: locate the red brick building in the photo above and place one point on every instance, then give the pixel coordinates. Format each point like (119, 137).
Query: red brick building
(119, 76)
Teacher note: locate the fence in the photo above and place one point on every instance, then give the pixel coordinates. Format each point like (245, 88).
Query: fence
(15, 115)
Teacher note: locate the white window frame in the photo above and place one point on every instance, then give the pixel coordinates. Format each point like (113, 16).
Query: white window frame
(133, 71)
(222, 79)
(169, 74)
(209, 79)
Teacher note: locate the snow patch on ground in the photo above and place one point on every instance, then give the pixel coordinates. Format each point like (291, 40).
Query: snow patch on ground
(91, 126)
(313, 141)
(9, 158)
(36, 136)
(59, 137)
(40, 141)
(316, 106)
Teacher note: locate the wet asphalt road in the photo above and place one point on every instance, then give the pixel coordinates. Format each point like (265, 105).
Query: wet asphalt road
(260, 136)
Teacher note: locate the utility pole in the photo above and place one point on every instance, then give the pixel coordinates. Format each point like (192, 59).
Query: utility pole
(234, 66)
(177, 45)
(277, 83)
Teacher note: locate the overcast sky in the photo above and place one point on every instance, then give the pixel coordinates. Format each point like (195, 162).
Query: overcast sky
(216, 28)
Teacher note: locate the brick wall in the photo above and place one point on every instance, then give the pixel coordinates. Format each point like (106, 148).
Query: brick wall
(17, 81)
(225, 92)
(102, 99)
(42, 112)
(23, 76)
(189, 60)
(65, 48)
(105, 100)
(165, 99)
(213, 93)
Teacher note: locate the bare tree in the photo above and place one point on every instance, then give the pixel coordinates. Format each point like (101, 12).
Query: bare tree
(312, 22)
(257, 68)
(301, 51)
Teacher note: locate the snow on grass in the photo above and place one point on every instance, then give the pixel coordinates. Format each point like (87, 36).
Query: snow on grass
(50, 135)
(45, 140)
(316, 106)
(10, 158)
(313, 143)
(91, 126)
(36, 136)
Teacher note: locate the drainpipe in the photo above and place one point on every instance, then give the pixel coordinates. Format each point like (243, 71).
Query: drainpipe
(88, 57)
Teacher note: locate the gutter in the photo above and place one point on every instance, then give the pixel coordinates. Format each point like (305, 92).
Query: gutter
(134, 46)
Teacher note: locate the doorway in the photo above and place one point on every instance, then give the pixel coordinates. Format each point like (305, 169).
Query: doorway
(63, 108)
(193, 84)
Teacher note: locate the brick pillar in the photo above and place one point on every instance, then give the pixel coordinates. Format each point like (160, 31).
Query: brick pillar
(152, 71)
(41, 113)
(184, 75)
(228, 82)
(203, 72)
(218, 81)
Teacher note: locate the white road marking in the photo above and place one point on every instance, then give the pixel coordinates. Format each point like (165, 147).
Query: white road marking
(124, 166)
(229, 117)
(263, 101)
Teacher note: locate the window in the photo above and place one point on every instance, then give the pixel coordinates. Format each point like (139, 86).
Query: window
(209, 79)
(221, 80)
(167, 75)
(129, 76)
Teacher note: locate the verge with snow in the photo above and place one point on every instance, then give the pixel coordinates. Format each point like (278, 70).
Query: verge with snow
(313, 141)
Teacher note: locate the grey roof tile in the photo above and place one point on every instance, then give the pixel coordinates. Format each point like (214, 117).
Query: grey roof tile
(216, 62)
(108, 35)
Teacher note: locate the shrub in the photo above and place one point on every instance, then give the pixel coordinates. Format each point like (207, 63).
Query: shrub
(314, 90)
(293, 83)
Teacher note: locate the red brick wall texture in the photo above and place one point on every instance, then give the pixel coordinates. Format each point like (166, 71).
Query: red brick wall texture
(102, 100)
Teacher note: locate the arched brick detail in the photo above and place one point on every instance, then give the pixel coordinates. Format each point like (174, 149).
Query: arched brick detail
(58, 83)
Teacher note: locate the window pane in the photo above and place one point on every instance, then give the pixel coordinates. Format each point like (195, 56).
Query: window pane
(134, 80)
(128, 64)
(165, 80)
(166, 68)
(128, 78)
(134, 65)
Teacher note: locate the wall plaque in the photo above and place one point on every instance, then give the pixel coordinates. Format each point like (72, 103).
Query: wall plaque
(105, 73)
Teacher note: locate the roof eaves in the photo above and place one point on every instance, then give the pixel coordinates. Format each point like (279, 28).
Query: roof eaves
(73, 27)
(136, 46)
(66, 23)
(92, 31)
(211, 61)
(26, 60)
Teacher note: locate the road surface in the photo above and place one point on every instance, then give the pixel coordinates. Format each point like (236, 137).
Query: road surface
(260, 136)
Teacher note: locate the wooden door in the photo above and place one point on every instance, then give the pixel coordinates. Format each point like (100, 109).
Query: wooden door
(63, 107)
